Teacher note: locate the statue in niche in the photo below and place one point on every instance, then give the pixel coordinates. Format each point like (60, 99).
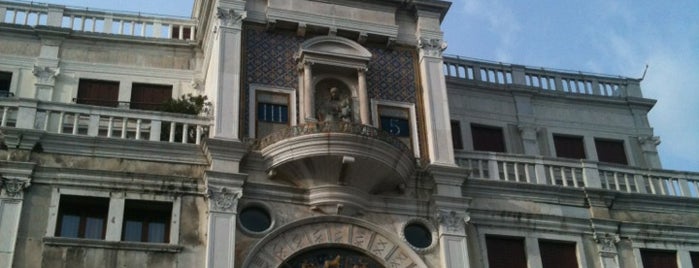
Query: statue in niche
(335, 107)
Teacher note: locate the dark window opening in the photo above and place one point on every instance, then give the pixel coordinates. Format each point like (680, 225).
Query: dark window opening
(255, 219)
(695, 259)
(456, 135)
(98, 92)
(506, 252)
(418, 235)
(149, 96)
(658, 258)
(611, 151)
(147, 221)
(569, 146)
(272, 113)
(399, 127)
(487, 138)
(82, 217)
(186, 32)
(558, 254)
(5, 80)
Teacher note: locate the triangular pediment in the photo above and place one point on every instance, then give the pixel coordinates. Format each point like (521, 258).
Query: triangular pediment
(337, 46)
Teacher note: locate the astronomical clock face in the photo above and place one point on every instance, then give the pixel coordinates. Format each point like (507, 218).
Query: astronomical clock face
(331, 258)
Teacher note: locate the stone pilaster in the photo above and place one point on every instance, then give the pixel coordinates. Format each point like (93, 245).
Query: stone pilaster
(15, 179)
(450, 212)
(649, 148)
(529, 139)
(435, 103)
(606, 247)
(224, 191)
(226, 69)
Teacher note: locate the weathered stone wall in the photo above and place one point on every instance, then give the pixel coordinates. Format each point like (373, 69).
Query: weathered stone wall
(14, 45)
(147, 56)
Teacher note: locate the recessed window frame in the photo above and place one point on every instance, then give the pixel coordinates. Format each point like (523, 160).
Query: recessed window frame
(258, 205)
(98, 102)
(11, 82)
(410, 108)
(252, 105)
(503, 139)
(148, 214)
(621, 142)
(456, 135)
(148, 86)
(555, 136)
(116, 211)
(434, 235)
(85, 208)
(531, 243)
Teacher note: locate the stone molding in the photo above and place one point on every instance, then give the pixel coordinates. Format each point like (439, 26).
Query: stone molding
(606, 244)
(432, 47)
(276, 14)
(113, 245)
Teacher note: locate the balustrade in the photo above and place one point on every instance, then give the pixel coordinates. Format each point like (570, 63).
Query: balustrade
(578, 173)
(97, 21)
(500, 74)
(77, 119)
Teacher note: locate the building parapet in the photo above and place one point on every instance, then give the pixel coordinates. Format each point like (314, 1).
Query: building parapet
(578, 174)
(97, 21)
(78, 119)
(497, 74)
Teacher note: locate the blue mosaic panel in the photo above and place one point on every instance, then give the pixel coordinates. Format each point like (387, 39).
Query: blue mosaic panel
(391, 75)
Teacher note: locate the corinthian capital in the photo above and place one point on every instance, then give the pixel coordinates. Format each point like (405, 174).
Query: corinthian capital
(432, 46)
(230, 17)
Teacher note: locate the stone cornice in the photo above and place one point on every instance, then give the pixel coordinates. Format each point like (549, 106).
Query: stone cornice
(116, 180)
(506, 190)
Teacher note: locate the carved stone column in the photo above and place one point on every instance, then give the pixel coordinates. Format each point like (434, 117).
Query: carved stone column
(11, 199)
(308, 100)
(225, 64)
(224, 191)
(606, 246)
(363, 98)
(649, 147)
(435, 102)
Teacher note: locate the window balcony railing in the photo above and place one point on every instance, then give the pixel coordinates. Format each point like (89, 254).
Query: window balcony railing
(96, 21)
(497, 74)
(578, 173)
(80, 119)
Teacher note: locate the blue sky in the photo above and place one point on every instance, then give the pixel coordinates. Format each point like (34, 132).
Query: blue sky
(600, 36)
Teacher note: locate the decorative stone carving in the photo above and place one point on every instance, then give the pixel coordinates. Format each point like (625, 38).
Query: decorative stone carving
(452, 221)
(224, 200)
(649, 143)
(335, 107)
(229, 17)
(14, 186)
(46, 75)
(606, 243)
(432, 47)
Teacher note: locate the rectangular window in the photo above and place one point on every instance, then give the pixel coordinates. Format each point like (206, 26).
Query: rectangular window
(456, 135)
(396, 121)
(149, 96)
(98, 92)
(82, 217)
(147, 221)
(611, 151)
(5, 80)
(506, 252)
(273, 113)
(653, 258)
(487, 138)
(569, 146)
(558, 254)
(695, 259)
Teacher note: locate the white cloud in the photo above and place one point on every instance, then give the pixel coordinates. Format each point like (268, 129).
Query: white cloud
(500, 20)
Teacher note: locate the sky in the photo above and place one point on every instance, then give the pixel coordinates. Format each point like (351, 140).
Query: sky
(617, 37)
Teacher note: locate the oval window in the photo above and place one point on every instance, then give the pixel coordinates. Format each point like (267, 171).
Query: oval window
(418, 235)
(255, 219)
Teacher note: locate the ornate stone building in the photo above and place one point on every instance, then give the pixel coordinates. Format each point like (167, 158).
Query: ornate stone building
(335, 133)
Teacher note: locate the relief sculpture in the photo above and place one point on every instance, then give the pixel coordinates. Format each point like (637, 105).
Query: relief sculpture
(333, 106)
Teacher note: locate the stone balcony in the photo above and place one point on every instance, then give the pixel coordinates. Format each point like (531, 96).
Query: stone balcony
(84, 20)
(578, 174)
(348, 159)
(497, 75)
(97, 121)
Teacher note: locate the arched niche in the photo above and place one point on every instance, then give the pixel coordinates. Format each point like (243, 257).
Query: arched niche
(357, 239)
(330, 59)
